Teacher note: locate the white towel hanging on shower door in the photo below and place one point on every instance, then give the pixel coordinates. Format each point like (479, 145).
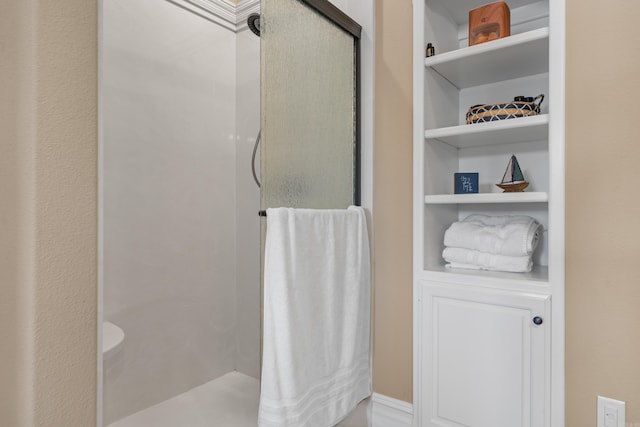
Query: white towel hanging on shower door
(317, 297)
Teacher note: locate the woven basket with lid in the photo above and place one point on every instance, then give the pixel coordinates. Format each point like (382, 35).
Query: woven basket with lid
(520, 107)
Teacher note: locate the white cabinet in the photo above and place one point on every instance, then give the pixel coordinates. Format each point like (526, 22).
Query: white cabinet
(478, 358)
(484, 355)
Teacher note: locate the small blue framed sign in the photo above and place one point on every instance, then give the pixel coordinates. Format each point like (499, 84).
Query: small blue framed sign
(465, 182)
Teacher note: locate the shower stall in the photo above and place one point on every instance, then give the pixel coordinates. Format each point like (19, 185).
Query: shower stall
(180, 110)
(181, 242)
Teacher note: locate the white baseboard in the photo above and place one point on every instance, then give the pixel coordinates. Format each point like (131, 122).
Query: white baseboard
(389, 412)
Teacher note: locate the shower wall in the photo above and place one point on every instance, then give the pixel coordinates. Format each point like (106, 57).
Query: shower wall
(247, 204)
(181, 236)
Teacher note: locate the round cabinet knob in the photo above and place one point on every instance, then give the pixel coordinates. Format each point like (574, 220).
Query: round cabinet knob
(537, 320)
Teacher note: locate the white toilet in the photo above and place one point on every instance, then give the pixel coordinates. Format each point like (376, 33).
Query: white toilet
(112, 339)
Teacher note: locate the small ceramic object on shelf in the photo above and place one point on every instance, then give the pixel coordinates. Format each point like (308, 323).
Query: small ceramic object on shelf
(513, 180)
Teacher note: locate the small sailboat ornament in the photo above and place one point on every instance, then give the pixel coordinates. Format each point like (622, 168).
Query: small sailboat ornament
(513, 179)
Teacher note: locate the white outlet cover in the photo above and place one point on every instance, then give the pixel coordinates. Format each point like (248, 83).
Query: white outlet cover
(611, 412)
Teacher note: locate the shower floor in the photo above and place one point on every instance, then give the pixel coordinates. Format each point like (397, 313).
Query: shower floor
(228, 401)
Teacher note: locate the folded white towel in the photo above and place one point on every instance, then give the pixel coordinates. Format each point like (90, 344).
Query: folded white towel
(316, 364)
(498, 219)
(462, 266)
(510, 236)
(467, 258)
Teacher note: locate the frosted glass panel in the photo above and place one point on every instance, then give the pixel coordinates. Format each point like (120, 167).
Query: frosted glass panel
(308, 108)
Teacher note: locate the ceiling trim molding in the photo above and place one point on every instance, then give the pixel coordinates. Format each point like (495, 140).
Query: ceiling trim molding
(223, 12)
(244, 8)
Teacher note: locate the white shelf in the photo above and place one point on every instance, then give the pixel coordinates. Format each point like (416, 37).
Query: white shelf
(441, 272)
(522, 129)
(520, 55)
(459, 199)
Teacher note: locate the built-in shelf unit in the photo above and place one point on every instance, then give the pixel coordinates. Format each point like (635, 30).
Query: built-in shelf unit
(529, 62)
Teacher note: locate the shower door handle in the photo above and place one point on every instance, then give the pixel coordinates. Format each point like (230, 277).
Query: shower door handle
(253, 159)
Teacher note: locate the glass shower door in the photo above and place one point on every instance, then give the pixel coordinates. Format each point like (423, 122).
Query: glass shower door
(309, 100)
(309, 105)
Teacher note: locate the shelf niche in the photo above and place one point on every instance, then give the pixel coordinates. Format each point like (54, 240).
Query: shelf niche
(509, 58)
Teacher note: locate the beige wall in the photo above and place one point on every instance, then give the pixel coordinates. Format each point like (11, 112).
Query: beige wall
(392, 183)
(13, 125)
(48, 213)
(603, 212)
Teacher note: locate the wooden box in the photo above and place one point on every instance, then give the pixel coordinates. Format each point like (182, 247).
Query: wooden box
(489, 22)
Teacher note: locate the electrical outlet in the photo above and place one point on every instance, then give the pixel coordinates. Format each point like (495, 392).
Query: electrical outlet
(611, 412)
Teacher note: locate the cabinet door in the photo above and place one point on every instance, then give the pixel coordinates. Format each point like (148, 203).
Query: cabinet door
(483, 360)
